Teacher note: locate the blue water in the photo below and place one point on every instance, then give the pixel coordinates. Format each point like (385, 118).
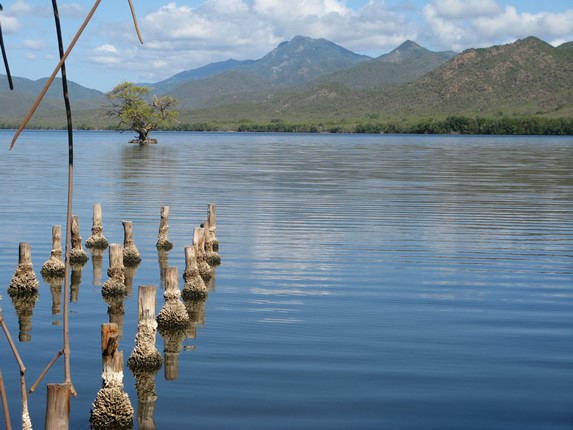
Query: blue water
(367, 282)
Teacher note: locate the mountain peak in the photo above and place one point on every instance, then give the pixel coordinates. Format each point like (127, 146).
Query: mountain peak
(408, 45)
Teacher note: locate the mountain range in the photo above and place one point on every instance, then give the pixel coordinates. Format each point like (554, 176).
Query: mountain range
(307, 79)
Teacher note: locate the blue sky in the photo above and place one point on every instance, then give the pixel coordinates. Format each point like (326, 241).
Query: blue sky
(182, 35)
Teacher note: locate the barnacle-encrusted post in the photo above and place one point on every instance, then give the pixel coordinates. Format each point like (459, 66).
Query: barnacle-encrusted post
(24, 280)
(212, 225)
(23, 291)
(97, 240)
(172, 321)
(194, 287)
(115, 285)
(77, 254)
(145, 355)
(55, 266)
(212, 257)
(199, 243)
(145, 360)
(112, 408)
(162, 237)
(131, 256)
(173, 314)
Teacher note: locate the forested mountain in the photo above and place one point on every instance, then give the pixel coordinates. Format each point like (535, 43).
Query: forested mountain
(314, 80)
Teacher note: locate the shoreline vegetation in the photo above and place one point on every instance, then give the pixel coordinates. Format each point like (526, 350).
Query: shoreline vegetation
(502, 125)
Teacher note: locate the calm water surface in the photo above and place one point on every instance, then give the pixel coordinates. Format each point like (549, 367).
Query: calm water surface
(368, 282)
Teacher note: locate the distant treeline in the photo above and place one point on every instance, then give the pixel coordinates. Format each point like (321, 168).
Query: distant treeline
(450, 125)
(502, 125)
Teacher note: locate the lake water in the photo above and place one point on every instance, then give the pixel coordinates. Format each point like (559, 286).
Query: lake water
(367, 282)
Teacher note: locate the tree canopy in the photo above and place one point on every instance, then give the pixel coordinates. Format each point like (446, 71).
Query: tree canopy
(139, 112)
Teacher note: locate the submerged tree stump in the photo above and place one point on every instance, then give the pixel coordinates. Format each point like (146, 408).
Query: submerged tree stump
(162, 237)
(97, 240)
(77, 254)
(194, 287)
(55, 266)
(115, 285)
(173, 314)
(212, 257)
(145, 355)
(131, 256)
(172, 323)
(24, 280)
(112, 408)
(205, 270)
(213, 243)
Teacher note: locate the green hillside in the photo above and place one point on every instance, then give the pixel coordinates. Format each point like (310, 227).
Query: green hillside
(318, 85)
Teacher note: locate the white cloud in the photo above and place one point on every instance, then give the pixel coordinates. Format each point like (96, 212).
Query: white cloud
(107, 48)
(36, 45)
(10, 24)
(458, 30)
(185, 37)
(465, 8)
(20, 8)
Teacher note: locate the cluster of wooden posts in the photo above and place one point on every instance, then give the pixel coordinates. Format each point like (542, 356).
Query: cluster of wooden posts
(112, 408)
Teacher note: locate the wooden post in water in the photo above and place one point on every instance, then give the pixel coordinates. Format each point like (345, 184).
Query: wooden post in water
(162, 237)
(212, 224)
(24, 280)
(97, 240)
(112, 408)
(77, 254)
(58, 406)
(199, 243)
(131, 256)
(55, 267)
(194, 287)
(115, 285)
(145, 355)
(172, 322)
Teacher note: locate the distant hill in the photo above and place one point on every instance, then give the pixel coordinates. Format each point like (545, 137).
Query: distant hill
(406, 63)
(313, 80)
(302, 60)
(205, 72)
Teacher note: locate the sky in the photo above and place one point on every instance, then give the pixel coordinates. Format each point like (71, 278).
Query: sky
(183, 35)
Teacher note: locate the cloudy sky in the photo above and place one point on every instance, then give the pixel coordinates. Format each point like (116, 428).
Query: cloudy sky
(182, 35)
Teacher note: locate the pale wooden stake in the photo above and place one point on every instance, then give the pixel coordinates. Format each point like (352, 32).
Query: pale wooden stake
(77, 254)
(131, 256)
(58, 406)
(97, 240)
(162, 237)
(55, 267)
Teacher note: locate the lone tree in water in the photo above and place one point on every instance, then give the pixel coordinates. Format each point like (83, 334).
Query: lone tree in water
(139, 112)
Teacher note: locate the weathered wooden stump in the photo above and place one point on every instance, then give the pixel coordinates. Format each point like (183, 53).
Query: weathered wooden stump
(145, 355)
(172, 322)
(24, 281)
(212, 257)
(131, 256)
(173, 314)
(212, 223)
(58, 406)
(78, 256)
(112, 408)
(162, 237)
(115, 285)
(194, 287)
(55, 266)
(97, 240)
(205, 270)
